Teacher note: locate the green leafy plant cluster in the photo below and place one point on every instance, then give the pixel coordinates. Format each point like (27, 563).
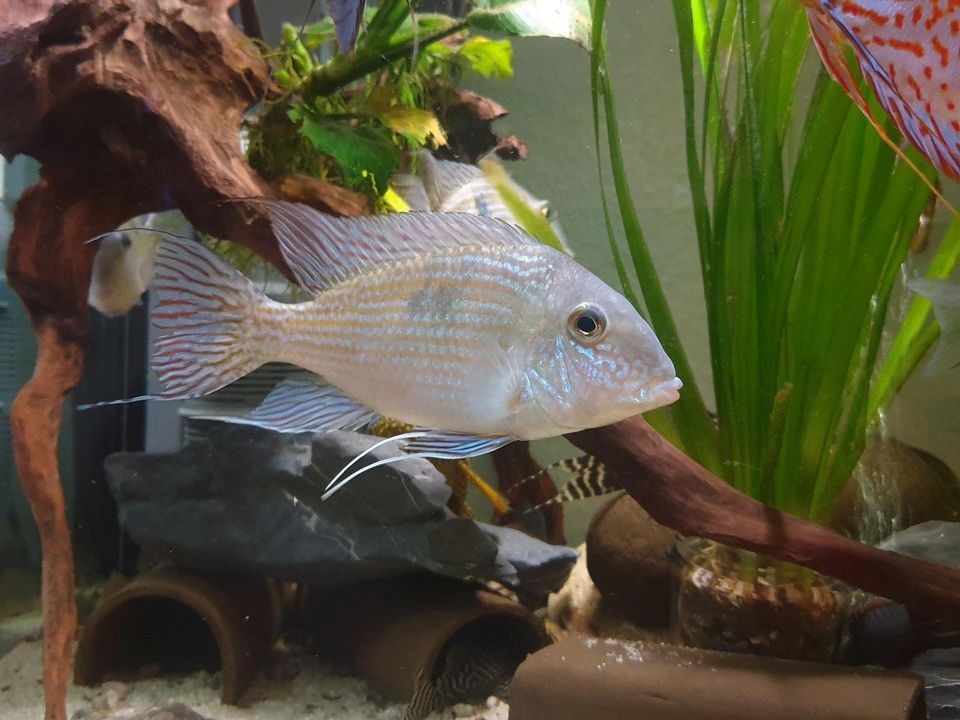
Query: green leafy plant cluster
(353, 118)
(799, 252)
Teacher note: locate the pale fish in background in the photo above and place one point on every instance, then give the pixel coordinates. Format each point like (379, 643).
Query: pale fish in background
(482, 189)
(945, 297)
(124, 264)
(463, 326)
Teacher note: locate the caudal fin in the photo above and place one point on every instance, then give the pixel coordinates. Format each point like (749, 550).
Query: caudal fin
(206, 309)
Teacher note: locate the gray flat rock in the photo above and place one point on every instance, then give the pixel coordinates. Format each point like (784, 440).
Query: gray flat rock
(248, 500)
(935, 541)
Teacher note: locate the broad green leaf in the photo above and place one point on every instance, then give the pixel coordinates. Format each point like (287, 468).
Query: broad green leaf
(364, 155)
(419, 125)
(568, 19)
(490, 58)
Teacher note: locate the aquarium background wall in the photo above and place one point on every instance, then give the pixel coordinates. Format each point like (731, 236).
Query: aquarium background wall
(549, 104)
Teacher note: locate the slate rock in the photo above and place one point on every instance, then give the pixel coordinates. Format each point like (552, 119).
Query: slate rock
(245, 499)
(941, 671)
(934, 541)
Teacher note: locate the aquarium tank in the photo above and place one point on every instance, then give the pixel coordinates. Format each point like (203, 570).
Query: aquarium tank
(416, 359)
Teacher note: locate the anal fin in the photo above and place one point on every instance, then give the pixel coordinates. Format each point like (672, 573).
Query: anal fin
(307, 406)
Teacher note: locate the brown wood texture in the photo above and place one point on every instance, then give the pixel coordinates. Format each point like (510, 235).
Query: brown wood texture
(679, 493)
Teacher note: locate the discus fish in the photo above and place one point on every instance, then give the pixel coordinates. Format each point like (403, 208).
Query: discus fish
(945, 297)
(908, 52)
(482, 189)
(122, 271)
(463, 326)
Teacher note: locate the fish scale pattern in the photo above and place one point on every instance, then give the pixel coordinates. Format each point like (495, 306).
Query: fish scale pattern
(909, 52)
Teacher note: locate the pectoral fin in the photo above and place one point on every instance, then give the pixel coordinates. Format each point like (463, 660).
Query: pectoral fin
(432, 444)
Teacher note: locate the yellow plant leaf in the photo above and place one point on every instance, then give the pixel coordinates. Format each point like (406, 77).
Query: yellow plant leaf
(418, 124)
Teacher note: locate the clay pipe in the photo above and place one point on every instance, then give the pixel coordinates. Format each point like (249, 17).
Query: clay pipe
(388, 630)
(610, 680)
(159, 617)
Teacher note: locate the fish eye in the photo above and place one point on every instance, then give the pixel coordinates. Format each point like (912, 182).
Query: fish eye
(125, 241)
(587, 322)
(548, 212)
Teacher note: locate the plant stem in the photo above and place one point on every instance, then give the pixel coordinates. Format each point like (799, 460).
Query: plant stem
(379, 47)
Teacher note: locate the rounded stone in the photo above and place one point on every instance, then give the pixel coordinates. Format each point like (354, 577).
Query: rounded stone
(628, 557)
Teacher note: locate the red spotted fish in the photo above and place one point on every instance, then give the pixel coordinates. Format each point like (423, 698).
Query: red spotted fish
(909, 53)
(463, 326)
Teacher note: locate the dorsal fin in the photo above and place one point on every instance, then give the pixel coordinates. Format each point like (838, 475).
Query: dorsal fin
(323, 250)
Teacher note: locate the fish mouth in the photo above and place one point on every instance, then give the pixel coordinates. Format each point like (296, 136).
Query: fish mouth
(660, 392)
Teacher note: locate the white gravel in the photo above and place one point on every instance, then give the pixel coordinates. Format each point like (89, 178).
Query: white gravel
(316, 693)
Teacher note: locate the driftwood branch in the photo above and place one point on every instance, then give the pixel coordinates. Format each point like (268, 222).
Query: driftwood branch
(679, 493)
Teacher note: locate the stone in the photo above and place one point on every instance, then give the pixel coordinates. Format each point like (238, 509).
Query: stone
(895, 486)
(934, 541)
(941, 671)
(247, 500)
(628, 557)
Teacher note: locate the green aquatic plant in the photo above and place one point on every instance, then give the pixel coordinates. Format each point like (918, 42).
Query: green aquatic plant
(803, 219)
(353, 118)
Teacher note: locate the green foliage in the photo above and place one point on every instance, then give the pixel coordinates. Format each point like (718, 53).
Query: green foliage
(799, 251)
(350, 120)
(552, 18)
(363, 154)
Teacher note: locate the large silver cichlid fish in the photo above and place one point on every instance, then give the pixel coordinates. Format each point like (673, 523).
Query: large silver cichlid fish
(461, 325)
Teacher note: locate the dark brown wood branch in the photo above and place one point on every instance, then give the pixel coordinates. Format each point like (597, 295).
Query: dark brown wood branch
(49, 266)
(679, 493)
(526, 485)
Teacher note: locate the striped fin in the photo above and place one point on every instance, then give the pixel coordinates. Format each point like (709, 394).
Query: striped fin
(454, 446)
(306, 406)
(907, 62)
(945, 297)
(205, 310)
(428, 444)
(323, 250)
(442, 178)
(411, 189)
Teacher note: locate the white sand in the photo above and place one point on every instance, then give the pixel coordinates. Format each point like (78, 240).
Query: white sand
(314, 694)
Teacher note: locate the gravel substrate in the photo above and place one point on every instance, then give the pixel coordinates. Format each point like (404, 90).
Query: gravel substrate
(314, 692)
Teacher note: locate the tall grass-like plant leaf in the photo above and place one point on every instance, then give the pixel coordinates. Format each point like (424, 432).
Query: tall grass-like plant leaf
(799, 251)
(693, 423)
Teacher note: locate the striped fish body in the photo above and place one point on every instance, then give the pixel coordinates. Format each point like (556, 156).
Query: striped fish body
(909, 52)
(429, 337)
(460, 324)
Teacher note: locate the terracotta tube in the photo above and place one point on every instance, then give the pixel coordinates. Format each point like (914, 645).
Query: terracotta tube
(178, 620)
(580, 678)
(390, 629)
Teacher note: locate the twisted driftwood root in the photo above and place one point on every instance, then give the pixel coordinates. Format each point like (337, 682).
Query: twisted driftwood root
(679, 493)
